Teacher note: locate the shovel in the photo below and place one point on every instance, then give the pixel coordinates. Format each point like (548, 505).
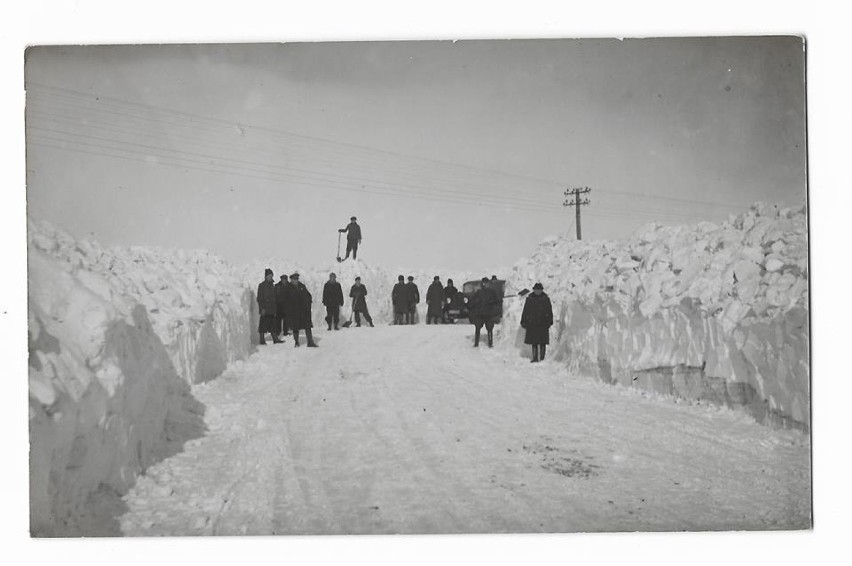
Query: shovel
(522, 293)
(348, 323)
(338, 248)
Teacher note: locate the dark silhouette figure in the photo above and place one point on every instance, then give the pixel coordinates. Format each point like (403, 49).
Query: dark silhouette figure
(435, 300)
(359, 302)
(281, 289)
(413, 300)
(332, 298)
(450, 293)
(299, 310)
(536, 319)
(399, 298)
(268, 307)
(353, 238)
(484, 310)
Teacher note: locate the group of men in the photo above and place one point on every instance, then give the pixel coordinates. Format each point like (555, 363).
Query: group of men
(284, 306)
(406, 296)
(332, 298)
(484, 307)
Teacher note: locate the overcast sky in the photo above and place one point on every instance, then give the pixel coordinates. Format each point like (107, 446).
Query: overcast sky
(450, 154)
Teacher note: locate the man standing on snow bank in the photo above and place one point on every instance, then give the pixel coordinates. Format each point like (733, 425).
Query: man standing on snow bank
(359, 302)
(299, 310)
(435, 300)
(332, 298)
(536, 319)
(353, 238)
(399, 298)
(413, 300)
(267, 305)
(484, 309)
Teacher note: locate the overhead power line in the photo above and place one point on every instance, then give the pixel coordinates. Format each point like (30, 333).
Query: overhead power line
(215, 164)
(227, 124)
(275, 165)
(50, 124)
(406, 173)
(253, 173)
(195, 120)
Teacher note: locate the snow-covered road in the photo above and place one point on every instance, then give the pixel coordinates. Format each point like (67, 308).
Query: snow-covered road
(411, 430)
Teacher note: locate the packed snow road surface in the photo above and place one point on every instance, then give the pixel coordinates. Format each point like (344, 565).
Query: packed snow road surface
(411, 430)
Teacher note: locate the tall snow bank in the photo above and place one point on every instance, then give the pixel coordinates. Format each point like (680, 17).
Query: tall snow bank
(116, 337)
(709, 312)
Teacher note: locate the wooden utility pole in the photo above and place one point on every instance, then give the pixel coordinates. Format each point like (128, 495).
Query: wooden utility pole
(576, 202)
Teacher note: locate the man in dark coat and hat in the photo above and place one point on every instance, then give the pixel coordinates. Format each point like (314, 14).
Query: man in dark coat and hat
(435, 300)
(332, 298)
(413, 300)
(353, 238)
(299, 310)
(359, 302)
(268, 308)
(537, 318)
(450, 293)
(484, 309)
(281, 289)
(399, 298)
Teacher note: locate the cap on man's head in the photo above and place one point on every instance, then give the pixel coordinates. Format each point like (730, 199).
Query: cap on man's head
(357, 279)
(493, 277)
(294, 276)
(485, 280)
(353, 218)
(283, 276)
(410, 278)
(267, 272)
(401, 278)
(332, 274)
(436, 278)
(538, 286)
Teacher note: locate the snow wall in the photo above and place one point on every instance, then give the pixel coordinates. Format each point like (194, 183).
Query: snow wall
(116, 337)
(711, 313)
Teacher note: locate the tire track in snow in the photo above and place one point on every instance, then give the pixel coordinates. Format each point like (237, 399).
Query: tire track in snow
(409, 429)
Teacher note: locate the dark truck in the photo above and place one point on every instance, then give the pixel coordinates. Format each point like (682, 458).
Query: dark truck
(457, 307)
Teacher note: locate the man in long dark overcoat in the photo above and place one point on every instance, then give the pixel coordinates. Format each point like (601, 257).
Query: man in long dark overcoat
(267, 307)
(353, 238)
(299, 310)
(413, 300)
(358, 292)
(435, 300)
(484, 309)
(332, 298)
(450, 293)
(537, 318)
(399, 298)
(281, 289)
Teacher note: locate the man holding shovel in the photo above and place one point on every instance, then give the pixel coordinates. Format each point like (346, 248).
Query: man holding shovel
(359, 304)
(353, 238)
